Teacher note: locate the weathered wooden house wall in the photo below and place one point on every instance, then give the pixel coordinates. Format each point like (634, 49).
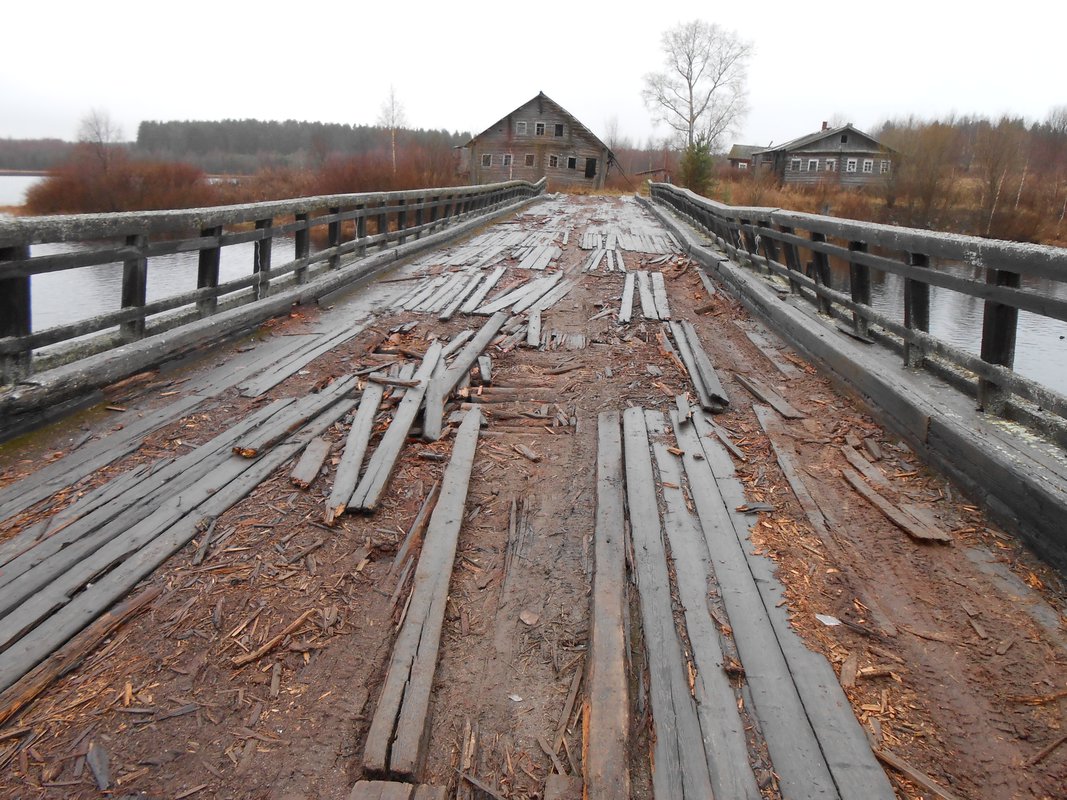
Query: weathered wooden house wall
(539, 139)
(844, 156)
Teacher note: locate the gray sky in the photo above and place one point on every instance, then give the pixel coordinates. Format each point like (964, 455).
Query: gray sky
(462, 66)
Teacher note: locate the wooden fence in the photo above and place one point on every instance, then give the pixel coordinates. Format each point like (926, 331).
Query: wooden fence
(350, 225)
(801, 248)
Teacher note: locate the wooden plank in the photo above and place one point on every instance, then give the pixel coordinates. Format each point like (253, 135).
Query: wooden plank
(606, 707)
(418, 527)
(465, 292)
(356, 444)
(659, 295)
(865, 467)
(705, 368)
(260, 439)
(70, 655)
(507, 299)
(22, 494)
(561, 290)
(268, 380)
(537, 293)
(791, 742)
(689, 361)
(445, 381)
(396, 739)
(565, 787)
(533, 330)
(906, 522)
(644, 290)
(427, 792)
(476, 299)
(787, 369)
(382, 463)
(765, 394)
(627, 307)
(156, 542)
(709, 287)
(725, 741)
(681, 770)
(485, 370)
(307, 468)
(840, 748)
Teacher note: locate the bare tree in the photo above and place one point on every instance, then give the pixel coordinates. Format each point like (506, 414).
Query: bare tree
(701, 92)
(391, 116)
(101, 134)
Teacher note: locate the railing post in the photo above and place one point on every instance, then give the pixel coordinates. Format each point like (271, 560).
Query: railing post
(999, 324)
(435, 202)
(822, 276)
(261, 259)
(334, 234)
(383, 224)
(792, 260)
(748, 238)
(207, 273)
(770, 246)
(859, 282)
(419, 216)
(916, 309)
(134, 286)
(15, 317)
(361, 230)
(401, 220)
(302, 249)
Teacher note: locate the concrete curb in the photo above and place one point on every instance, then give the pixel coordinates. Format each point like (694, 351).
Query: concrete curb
(26, 405)
(1022, 482)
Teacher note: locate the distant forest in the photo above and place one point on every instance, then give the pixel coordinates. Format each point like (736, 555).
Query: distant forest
(236, 146)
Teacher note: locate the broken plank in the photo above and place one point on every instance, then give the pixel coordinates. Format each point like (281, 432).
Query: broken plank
(533, 331)
(396, 740)
(767, 395)
(307, 468)
(688, 359)
(627, 307)
(418, 527)
(681, 769)
(465, 292)
(906, 522)
(381, 465)
(705, 368)
(480, 293)
(644, 291)
(445, 381)
(347, 475)
(865, 467)
(659, 295)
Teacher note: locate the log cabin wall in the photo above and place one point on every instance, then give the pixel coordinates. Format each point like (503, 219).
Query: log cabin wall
(539, 139)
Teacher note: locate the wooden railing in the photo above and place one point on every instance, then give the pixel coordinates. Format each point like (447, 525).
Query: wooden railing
(801, 248)
(350, 225)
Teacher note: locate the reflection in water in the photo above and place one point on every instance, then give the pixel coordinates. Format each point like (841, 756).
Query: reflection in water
(60, 298)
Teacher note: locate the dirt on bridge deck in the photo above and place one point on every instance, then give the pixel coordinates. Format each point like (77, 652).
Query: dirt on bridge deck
(953, 655)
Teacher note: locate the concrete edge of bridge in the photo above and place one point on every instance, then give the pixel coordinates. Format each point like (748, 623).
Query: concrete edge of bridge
(49, 395)
(1022, 491)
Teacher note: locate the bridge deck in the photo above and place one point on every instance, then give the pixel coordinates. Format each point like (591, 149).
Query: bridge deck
(587, 586)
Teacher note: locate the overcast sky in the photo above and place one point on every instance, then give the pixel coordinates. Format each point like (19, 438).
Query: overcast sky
(462, 66)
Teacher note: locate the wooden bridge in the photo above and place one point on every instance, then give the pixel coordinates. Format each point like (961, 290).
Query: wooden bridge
(547, 496)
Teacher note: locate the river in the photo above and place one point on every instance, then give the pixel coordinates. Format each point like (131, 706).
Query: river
(61, 298)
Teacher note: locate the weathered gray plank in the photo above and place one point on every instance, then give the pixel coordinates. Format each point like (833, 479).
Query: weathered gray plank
(659, 295)
(307, 468)
(644, 290)
(382, 463)
(765, 394)
(396, 739)
(705, 368)
(356, 444)
(681, 766)
(476, 299)
(607, 774)
(266, 381)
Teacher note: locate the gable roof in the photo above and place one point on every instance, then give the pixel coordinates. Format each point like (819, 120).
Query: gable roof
(544, 98)
(811, 138)
(743, 151)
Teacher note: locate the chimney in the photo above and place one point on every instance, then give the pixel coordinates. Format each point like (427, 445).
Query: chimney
(825, 125)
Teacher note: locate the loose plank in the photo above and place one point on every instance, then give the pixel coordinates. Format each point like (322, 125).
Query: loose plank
(659, 295)
(307, 468)
(344, 481)
(767, 395)
(626, 309)
(396, 740)
(906, 522)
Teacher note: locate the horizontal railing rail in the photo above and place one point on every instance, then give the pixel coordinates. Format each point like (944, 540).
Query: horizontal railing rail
(803, 248)
(343, 227)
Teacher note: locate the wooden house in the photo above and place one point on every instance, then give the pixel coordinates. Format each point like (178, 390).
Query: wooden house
(539, 139)
(844, 155)
(740, 155)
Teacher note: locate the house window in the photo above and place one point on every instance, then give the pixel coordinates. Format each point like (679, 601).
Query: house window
(520, 128)
(813, 165)
(559, 129)
(553, 161)
(850, 165)
(487, 160)
(529, 160)
(831, 165)
(885, 168)
(742, 165)
(572, 163)
(844, 138)
(539, 129)
(794, 165)
(507, 159)
(868, 166)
